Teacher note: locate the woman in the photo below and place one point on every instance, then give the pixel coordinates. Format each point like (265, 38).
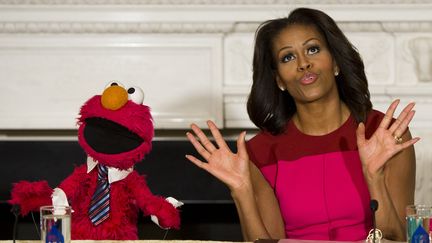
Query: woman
(322, 152)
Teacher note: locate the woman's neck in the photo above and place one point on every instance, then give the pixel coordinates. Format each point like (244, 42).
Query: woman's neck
(320, 118)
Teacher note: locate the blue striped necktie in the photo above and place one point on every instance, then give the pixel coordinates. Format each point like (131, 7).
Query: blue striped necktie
(99, 205)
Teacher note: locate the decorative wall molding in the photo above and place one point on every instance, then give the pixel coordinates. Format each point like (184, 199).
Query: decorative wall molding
(354, 26)
(412, 26)
(207, 13)
(167, 27)
(103, 27)
(207, 2)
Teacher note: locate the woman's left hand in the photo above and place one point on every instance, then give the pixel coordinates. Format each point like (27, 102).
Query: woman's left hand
(386, 141)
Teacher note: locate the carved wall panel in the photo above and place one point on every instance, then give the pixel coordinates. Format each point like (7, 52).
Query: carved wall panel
(48, 78)
(377, 52)
(421, 50)
(238, 59)
(414, 57)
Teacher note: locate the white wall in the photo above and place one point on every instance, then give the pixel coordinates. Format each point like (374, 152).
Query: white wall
(193, 59)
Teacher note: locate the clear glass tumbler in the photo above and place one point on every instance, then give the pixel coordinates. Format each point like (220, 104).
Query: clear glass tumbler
(55, 224)
(418, 223)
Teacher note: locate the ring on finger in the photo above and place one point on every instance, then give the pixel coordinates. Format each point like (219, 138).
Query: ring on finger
(397, 139)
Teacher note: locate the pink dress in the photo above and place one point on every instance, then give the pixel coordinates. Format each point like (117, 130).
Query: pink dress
(318, 180)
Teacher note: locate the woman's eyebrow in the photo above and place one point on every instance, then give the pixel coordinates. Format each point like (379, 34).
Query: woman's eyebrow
(313, 38)
(304, 43)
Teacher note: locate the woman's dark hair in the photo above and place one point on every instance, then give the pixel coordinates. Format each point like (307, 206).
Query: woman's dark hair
(269, 108)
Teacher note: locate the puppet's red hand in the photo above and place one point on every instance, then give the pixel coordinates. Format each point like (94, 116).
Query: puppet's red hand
(30, 196)
(169, 217)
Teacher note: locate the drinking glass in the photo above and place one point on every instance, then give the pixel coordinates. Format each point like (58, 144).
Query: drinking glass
(55, 223)
(418, 223)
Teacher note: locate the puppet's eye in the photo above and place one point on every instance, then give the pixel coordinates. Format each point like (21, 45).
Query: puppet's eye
(114, 83)
(136, 95)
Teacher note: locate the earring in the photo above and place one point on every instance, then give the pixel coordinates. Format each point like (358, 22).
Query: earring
(336, 73)
(282, 89)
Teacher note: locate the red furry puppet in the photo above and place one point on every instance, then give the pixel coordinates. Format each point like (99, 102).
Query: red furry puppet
(115, 131)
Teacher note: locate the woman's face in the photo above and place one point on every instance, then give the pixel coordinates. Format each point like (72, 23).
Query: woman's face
(305, 67)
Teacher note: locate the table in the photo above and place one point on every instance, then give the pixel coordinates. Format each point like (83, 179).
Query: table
(314, 241)
(123, 241)
(199, 241)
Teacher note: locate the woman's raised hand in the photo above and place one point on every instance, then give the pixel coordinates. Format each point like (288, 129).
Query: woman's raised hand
(386, 141)
(231, 168)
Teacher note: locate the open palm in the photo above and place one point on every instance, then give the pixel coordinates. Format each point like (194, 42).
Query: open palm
(383, 144)
(231, 168)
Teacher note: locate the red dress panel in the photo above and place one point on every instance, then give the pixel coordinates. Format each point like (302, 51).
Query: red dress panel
(318, 180)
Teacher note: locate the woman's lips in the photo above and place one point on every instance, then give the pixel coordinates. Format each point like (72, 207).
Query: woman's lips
(308, 78)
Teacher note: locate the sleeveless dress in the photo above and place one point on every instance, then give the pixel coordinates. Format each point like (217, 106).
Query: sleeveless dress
(318, 180)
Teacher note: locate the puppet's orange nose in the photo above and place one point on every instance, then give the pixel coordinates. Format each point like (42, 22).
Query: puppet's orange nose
(114, 98)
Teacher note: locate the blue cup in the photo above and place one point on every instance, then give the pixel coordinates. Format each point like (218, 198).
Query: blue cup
(418, 223)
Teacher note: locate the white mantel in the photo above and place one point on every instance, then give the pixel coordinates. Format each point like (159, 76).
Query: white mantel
(193, 58)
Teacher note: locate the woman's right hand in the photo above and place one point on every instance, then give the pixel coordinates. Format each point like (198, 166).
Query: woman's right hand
(231, 168)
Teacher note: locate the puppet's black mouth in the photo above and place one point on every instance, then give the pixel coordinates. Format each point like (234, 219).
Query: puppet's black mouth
(105, 136)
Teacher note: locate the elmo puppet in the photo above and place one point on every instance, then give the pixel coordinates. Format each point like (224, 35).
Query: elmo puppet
(106, 193)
